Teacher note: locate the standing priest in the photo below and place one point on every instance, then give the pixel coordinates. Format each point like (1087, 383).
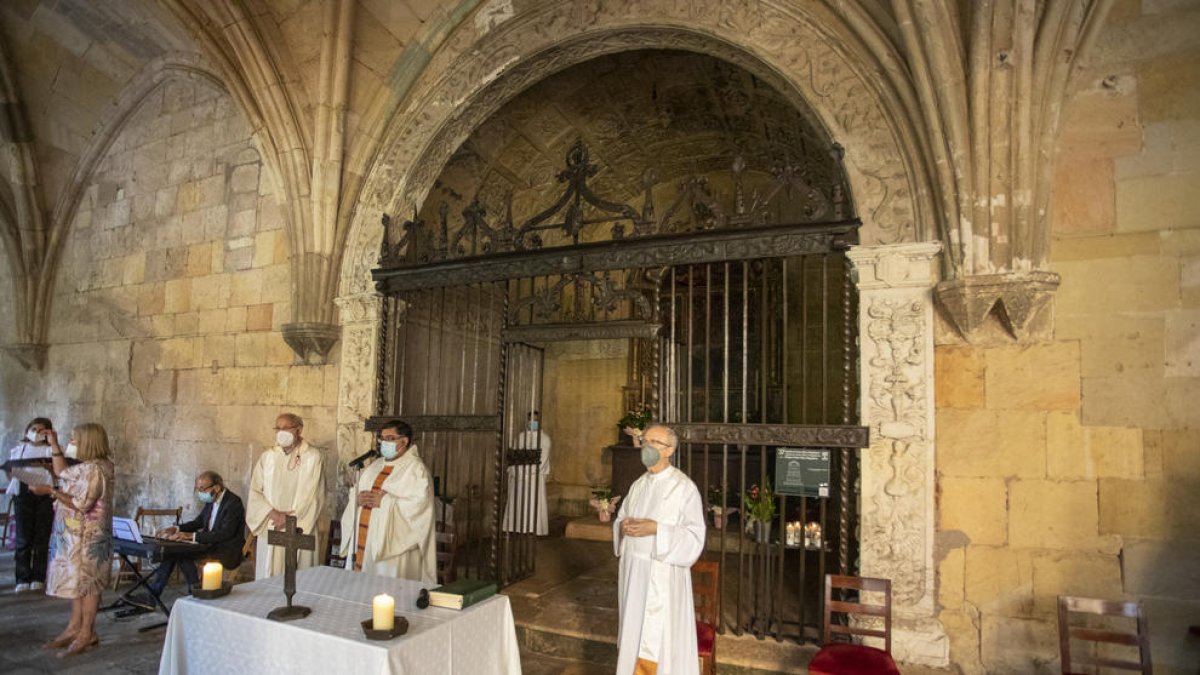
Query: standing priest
(659, 534)
(288, 480)
(388, 524)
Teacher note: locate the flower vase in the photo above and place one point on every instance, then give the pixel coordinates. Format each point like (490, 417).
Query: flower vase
(762, 532)
(605, 515)
(718, 520)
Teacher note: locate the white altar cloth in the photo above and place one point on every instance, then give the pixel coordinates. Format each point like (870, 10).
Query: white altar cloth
(233, 635)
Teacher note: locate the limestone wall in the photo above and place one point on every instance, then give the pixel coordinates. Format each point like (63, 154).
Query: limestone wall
(166, 316)
(580, 409)
(1074, 467)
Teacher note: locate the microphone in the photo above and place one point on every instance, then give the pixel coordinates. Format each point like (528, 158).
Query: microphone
(423, 599)
(358, 462)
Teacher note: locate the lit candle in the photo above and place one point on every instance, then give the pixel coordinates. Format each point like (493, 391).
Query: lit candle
(212, 577)
(384, 613)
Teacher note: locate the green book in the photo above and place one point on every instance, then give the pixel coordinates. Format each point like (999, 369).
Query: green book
(462, 593)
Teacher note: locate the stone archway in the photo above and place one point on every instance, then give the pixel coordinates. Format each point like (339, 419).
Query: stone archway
(815, 59)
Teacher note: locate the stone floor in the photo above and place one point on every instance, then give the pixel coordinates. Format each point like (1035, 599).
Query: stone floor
(566, 618)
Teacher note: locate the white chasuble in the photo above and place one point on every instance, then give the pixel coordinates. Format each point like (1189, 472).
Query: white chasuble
(400, 536)
(525, 510)
(293, 483)
(658, 620)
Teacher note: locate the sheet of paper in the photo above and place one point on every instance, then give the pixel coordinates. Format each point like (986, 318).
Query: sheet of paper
(32, 475)
(126, 528)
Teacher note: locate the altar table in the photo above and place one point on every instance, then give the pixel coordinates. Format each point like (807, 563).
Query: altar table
(232, 634)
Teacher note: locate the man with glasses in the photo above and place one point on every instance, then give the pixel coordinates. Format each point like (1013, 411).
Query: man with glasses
(288, 480)
(658, 534)
(219, 527)
(387, 527)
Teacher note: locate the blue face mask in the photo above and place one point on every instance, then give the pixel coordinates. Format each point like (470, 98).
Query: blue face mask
(533, 425)
(388, 450)
(205, 496)
(650, 455)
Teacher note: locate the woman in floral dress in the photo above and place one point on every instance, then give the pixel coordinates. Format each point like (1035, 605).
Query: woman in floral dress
(81, 543)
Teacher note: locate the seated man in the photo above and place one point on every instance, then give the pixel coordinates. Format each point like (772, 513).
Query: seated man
(220, 527)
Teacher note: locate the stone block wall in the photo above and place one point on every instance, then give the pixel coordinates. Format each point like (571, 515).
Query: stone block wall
(1073, 467)
(165, 325)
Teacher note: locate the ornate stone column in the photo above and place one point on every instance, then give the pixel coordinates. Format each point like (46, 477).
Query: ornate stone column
(360, 317)
(895, 322)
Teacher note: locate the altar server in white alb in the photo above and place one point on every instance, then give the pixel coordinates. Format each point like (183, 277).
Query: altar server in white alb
(289, 479)
(525, 510)
(659, 534)
(391, 512)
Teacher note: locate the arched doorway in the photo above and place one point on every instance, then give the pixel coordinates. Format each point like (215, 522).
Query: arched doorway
(705, 229)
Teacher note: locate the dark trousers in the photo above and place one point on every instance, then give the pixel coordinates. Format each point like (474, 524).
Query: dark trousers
(34, 517)
(186, 565)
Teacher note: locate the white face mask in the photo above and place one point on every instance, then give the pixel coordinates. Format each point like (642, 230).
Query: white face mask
(72, 450)
(33, 436)
(285, 439)
(388, 449)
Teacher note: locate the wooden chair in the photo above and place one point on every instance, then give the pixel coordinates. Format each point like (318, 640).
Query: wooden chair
(1140, 638)
(6, 519)
(447, 552)
(235, 575)
(843, 658)
(139, 518)
(705, 594)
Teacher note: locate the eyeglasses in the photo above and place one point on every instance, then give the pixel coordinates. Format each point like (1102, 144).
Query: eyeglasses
(659, 444)
(279, 428)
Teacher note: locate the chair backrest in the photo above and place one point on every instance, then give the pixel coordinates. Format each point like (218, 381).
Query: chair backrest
(144, 512)
(861, 584)
(1140, 638)
(447, 550)
(705, 582)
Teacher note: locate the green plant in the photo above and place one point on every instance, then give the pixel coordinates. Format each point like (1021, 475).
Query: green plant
(635, 419)
(601, 493)
(760, 504)
(715, 496)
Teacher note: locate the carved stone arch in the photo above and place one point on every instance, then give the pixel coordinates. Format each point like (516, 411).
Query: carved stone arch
(790, 44)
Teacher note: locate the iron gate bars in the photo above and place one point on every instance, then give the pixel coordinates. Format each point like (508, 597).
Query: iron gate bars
(758, 355)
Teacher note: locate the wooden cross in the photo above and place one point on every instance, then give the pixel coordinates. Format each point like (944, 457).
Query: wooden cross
(293, 540)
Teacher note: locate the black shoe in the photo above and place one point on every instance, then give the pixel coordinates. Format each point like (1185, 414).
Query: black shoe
(136, 610)
(141, 601)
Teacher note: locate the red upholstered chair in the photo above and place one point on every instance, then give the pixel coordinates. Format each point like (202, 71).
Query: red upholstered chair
(1139, 638)
(704, 595)
(855, 659)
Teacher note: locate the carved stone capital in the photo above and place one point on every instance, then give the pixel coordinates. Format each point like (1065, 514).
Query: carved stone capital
(31, 356)
(359, 308)
(895, 265)
(311, 341)
(1016, 299)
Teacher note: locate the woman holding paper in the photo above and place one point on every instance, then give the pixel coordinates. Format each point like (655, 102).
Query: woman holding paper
(81, 544)
(33, 513)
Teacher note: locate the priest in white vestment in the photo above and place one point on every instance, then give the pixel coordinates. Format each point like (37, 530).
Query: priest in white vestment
(525, 510)
(289, 479)
(659, 533)
(388, 526)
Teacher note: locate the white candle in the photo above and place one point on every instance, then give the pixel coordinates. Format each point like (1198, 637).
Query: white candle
(384, 612)
(212, 577)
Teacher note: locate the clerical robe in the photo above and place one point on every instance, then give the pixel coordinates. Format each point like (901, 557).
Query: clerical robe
(400, 539)
(293, 483)
(525, 510)
(658, 621)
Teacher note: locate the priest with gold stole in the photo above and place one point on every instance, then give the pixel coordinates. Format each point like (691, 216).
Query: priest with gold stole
(658, 534)
(288, 480)
(388, 526)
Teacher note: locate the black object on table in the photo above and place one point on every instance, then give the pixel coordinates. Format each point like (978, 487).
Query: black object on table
(150, 549)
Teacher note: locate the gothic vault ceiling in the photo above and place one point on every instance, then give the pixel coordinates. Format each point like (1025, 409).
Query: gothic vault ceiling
(667, 113)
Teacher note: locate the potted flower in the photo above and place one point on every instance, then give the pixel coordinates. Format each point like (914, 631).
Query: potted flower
(760, 511)
(720, 510)
(605, 503)
(634, 423)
